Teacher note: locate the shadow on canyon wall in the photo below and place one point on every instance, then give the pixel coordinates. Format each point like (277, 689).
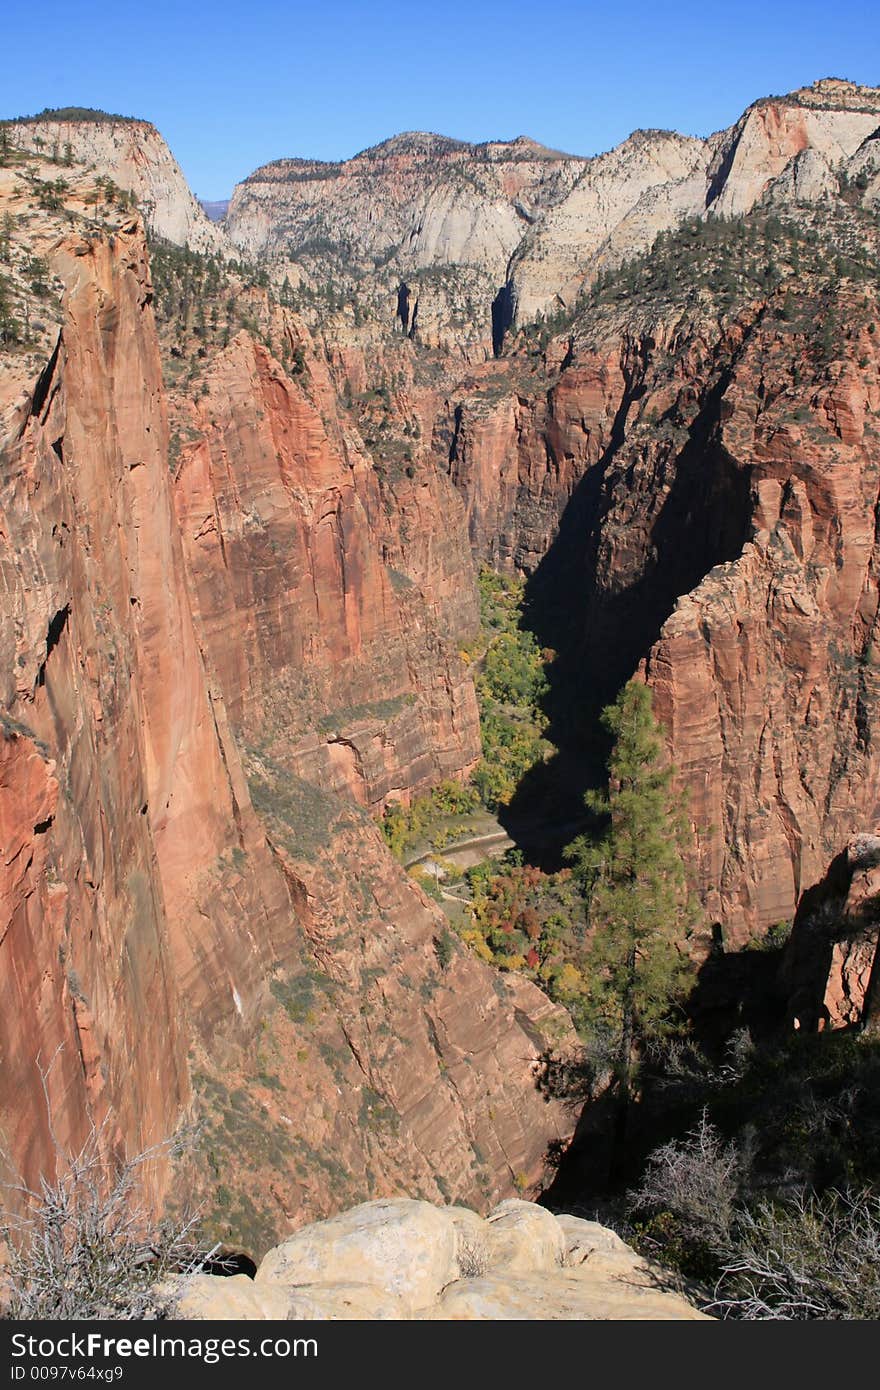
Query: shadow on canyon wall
(758, 1053)
(600, 606)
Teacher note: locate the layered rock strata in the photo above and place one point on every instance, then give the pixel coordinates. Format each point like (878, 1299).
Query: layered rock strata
(334, 610)
(178, 906)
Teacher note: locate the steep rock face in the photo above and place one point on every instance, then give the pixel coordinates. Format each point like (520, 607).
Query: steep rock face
(380, 1066)
(424, 199)
(334, 627)
(110, 728)
(517, 459)
(134, 155)
(417, 232)
(331, 610)
(863, 171)
(553, 259)
(446, 236)
(831, 961)
(161, 895)
(788, 149)
(704, 496)
(830, 120)
(765, 674)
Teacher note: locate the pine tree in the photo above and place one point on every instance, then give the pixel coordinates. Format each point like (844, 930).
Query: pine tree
(637, 902)
(9, 328)
(7, 226)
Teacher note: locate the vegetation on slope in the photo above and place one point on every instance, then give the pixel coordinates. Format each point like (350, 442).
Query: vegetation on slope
(767, 1190)
(723, 260)
(91, 114)
(201, 300)
(511, 685)
(717, 265)
(435, 819)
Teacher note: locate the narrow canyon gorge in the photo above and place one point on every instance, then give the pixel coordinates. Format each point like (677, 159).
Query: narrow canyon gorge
(255, 473)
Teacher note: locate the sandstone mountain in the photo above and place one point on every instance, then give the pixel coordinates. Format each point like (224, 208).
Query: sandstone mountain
(782, 148)
(454, 242)
(133, 154)
(421, 227)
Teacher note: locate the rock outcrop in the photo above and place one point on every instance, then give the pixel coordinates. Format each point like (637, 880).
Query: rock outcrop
(788, 150)
(123, 788)
(134, 155)
(417, 231)
(830, 967)
(617, 207)
(828, 121)
(405, 1260)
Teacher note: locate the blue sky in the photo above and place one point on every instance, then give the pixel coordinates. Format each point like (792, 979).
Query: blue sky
(231, 86)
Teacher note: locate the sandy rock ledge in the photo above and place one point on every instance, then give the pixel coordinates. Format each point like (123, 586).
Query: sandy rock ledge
(408, 1260)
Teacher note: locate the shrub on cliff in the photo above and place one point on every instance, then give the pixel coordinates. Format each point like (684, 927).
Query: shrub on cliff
(769, 1250)
(810, 1257)
(84, 1244)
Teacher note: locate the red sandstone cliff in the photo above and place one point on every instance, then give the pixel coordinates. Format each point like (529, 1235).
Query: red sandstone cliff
(765, 674)
(699, 495)
(333, 626)
(152, 917)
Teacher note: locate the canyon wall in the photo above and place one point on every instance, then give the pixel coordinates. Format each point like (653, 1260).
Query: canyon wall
(185, 913)
(341, 664)
(698, 499)
(766, 674)
(128, 812)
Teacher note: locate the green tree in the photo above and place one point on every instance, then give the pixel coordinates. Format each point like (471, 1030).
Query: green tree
(10, 331)
(7, 226)
(638, 911)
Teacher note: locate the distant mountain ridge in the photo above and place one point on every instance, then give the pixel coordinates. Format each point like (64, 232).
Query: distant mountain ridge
(215, 210)
(514, 220)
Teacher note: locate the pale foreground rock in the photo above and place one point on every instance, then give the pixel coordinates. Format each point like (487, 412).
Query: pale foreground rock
(586, 1238)
(399, 1260)
(344, 1303)
(525, 1238)
(566, 1295)
(403, 1247)
(205, 1296)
